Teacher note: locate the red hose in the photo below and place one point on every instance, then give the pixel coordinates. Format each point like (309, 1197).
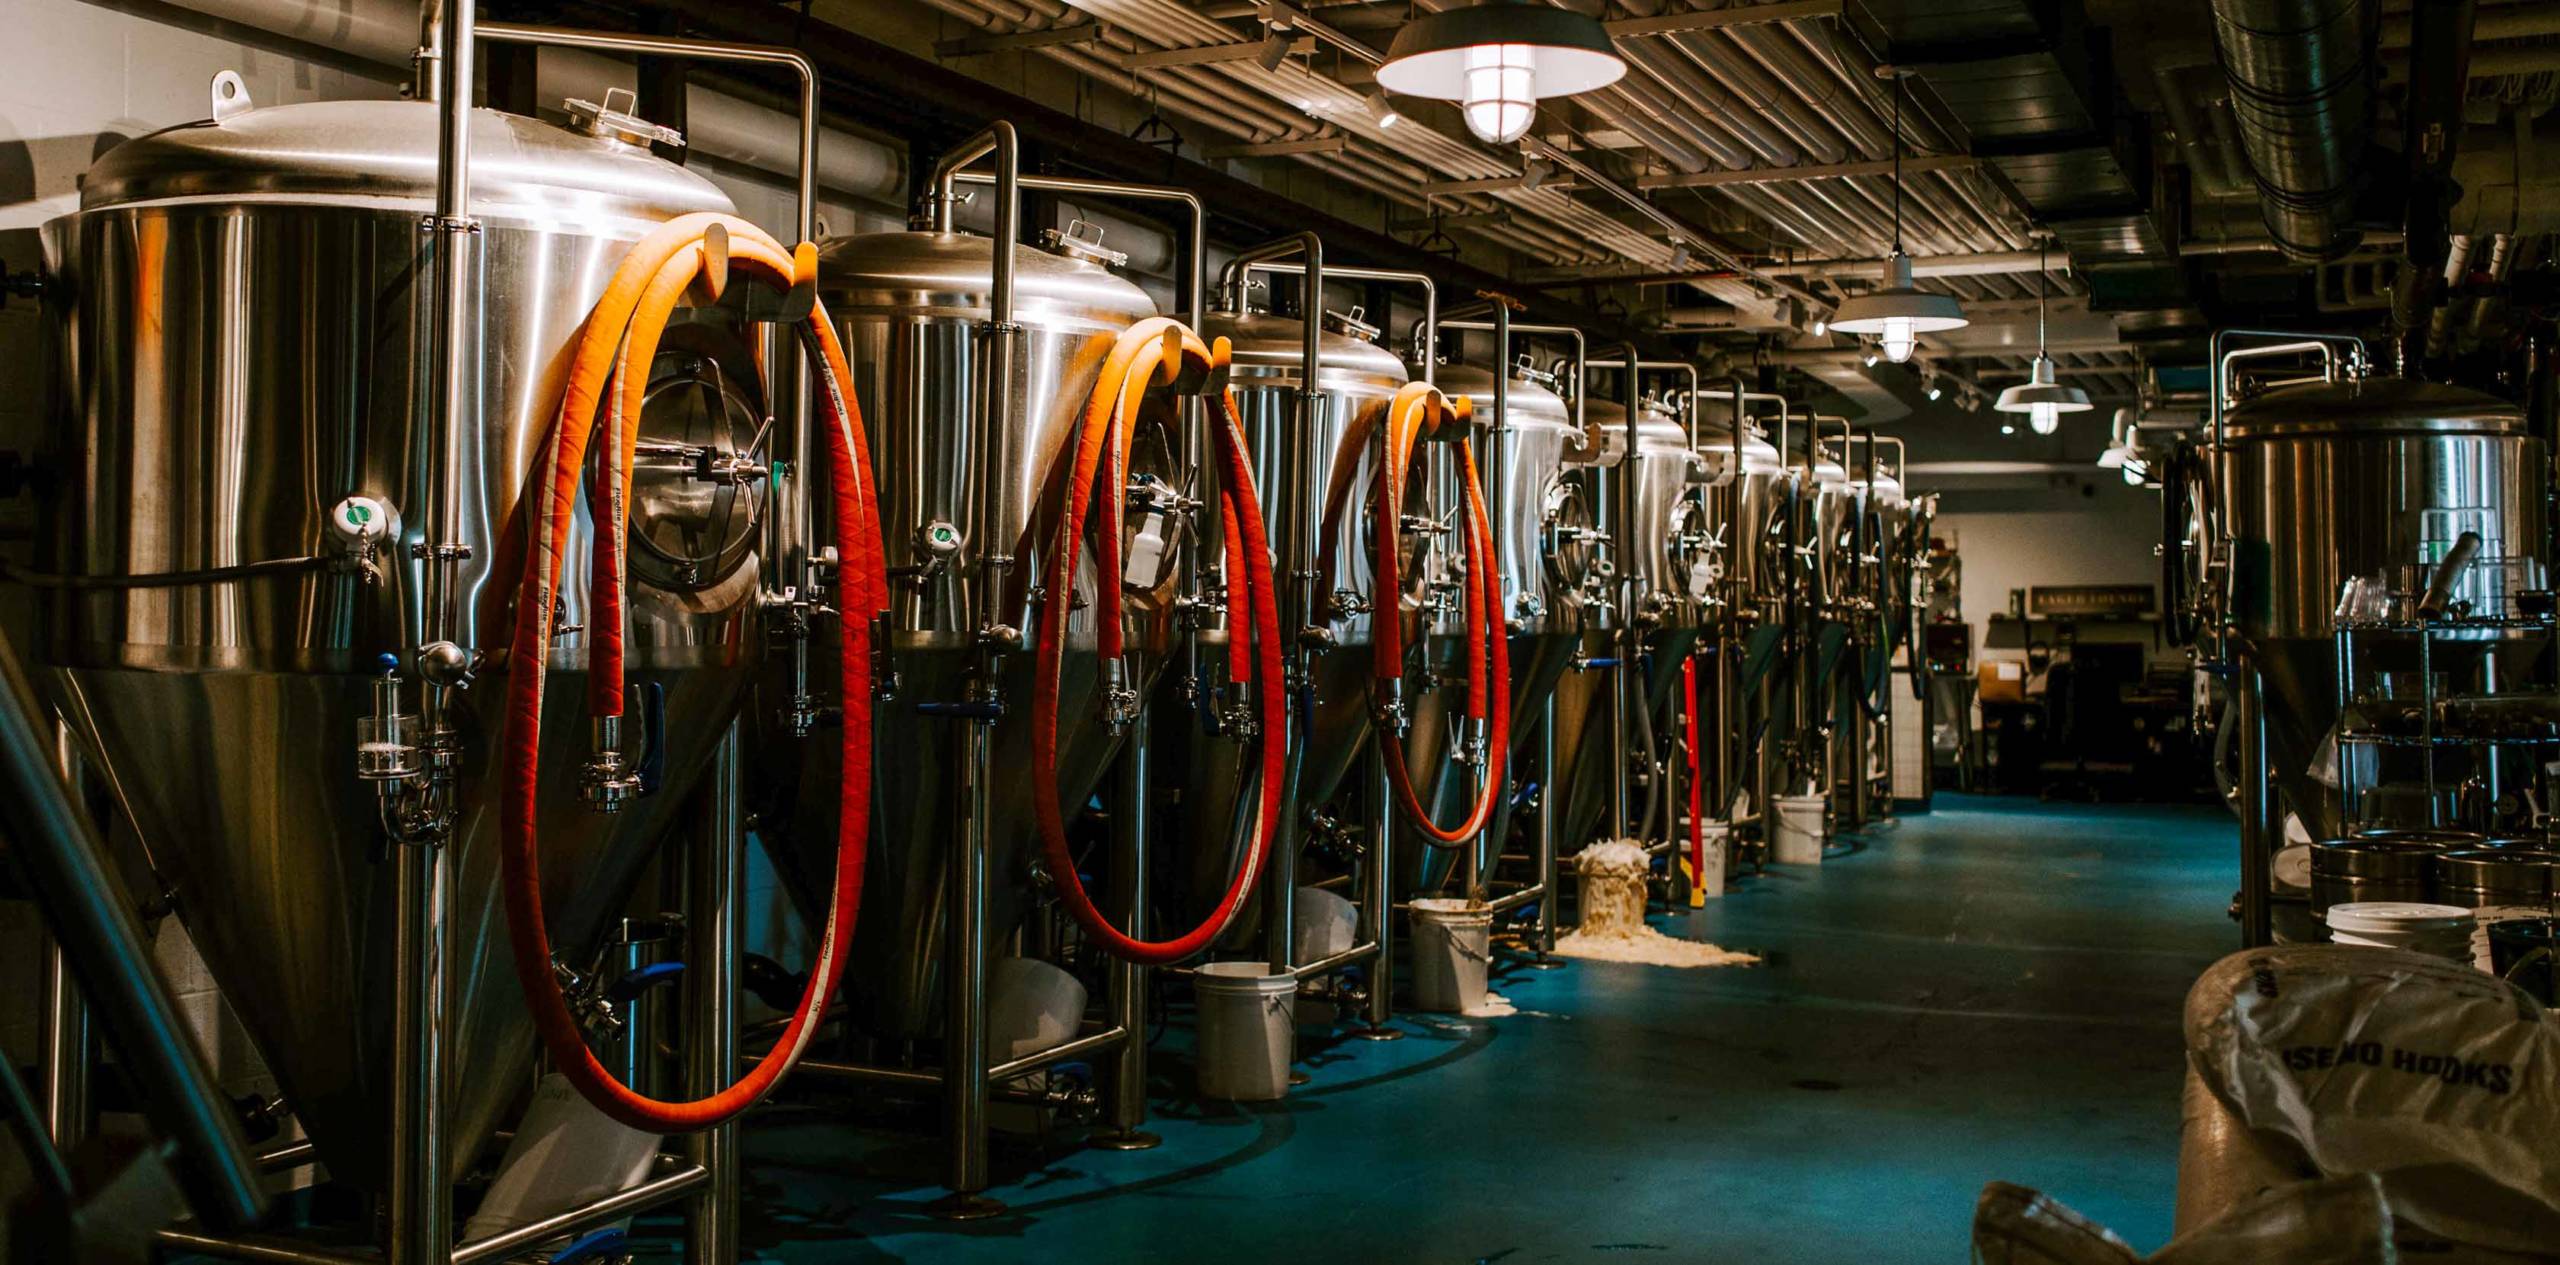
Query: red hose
(1149, 355)
(1697, 817)
(1416, 411)
(610, 370)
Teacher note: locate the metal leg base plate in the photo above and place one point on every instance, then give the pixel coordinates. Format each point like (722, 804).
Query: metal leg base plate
(1380, 1033)
(1300, 1078)
(964, 1206)
(1545, 962)
(1124, 1140)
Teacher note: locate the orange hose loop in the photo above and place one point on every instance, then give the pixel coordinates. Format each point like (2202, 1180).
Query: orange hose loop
(1419, 409)
(615, 347)
(1151, 355)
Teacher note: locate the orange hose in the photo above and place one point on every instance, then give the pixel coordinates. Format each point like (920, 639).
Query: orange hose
(1151, 355)
(614, 350)
(1414, 414)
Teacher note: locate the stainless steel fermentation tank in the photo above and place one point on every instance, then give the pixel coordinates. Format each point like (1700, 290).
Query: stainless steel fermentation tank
(1641, 474)
(955, 489)
(1552, 553)
(1299, 430)
(973, 359)
(2319, 482)
(245, 316)
(1877, 611)
(1741, 498)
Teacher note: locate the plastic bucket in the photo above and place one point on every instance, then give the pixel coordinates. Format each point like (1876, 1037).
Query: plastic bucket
(1247, 1031)
(1716, 845)
(1452, 945)
(2442, 931)
(1800, 830)
(1031, 1006)
(1321, 925)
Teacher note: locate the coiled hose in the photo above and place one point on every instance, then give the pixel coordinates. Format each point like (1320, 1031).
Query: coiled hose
(608, 379)
(1418, 412)
(1151, 355)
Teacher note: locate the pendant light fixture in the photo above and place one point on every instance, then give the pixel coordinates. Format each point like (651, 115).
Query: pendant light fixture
(1896, 314)
(1498, 59)
(2039, 397)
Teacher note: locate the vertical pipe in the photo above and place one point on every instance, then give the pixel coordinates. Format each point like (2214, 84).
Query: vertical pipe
(1623, 691)
(68, 1046)
(421, 1208)
(2258, 810)
(64, 1093)
(1124, 1101)
(964, 1048)
(1550, 804)
(1305, 607)
(1381, 906)
(421, 1230)
(716, 945)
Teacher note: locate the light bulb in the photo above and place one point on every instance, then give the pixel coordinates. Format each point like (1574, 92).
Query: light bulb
(1502, 91)
(2132, 475)
(2043, 419)
(1899, 338)
(1821, 326)
(2007, 429)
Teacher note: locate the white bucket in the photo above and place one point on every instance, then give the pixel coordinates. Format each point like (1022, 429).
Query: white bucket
(1321, 925)
(1247, 1033)
(565, 1154)
(1800, 830)
(2442, 931)
(1452, 946)
(1031, 1006)
(1708, 883)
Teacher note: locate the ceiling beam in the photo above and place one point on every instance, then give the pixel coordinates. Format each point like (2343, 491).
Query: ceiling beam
(1717, 19)
(1209, 55)
(1333, 144)
(1808, 171)
(1014, 41)
(1489, 184)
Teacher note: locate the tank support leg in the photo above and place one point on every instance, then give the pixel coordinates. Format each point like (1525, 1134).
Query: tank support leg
(964, 1043)
(1125, 1080)
(717, 943)
(1378, 913)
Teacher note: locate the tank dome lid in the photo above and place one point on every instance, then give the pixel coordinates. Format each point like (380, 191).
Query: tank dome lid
(924, 274)
(2373, 406)
(1267, 346)
(384, 153)
(1533, 406)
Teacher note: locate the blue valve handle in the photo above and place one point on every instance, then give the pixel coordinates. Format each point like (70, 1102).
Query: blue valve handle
(642, 980)
(595, 1245)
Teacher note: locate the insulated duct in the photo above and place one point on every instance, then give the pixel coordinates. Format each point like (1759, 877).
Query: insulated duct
(2301, 74)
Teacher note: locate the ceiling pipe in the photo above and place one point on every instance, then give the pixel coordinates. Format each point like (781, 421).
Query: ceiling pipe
(2301, 74)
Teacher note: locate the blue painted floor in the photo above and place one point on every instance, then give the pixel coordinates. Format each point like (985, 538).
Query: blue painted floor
(1987, 992)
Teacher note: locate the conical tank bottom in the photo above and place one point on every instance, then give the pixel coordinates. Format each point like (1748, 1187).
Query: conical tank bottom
(1538, 662)
(893, 977)
(240, 784)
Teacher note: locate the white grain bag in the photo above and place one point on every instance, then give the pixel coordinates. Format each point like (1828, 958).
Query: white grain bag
(2443, 1081)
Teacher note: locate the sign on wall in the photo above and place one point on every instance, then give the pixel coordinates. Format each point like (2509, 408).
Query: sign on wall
(2084, 601)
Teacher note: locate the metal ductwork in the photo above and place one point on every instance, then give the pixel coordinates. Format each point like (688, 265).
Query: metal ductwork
(2301, 74)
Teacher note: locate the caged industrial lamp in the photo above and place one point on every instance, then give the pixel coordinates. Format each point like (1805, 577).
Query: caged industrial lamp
(1498, 59)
